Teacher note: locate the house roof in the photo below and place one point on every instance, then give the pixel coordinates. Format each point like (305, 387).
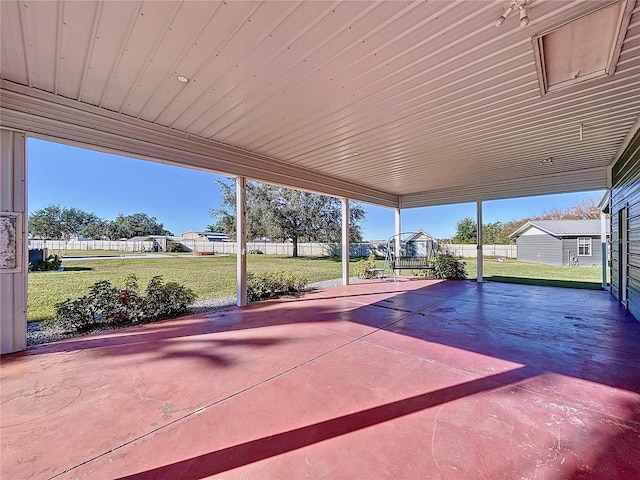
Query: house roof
(395, 103)
(144, 238)
(418, 234)
(560, 228)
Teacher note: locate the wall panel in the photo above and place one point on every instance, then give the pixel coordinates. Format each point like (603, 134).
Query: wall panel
(625, 193)
(13, 282)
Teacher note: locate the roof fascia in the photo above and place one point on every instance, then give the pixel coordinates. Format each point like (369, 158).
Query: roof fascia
(529, 224)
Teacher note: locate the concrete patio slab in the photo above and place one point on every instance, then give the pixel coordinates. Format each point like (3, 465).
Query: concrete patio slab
(414, 379)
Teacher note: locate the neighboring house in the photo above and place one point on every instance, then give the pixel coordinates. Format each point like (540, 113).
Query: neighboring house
(209, 236)
(560, 242)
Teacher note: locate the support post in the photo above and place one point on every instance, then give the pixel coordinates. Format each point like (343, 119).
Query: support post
(241, 240)
(345, 241)
(479, 240)
(398, 231)
(13, 273)
(603, 247)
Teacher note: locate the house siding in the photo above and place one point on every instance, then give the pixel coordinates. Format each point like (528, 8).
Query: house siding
(626, 193)
(540, 249)
(570, 249)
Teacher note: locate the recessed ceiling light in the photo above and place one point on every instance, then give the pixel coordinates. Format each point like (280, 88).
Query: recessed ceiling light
(183, 79)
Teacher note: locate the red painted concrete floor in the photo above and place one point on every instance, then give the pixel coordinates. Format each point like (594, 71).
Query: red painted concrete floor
(414, 380)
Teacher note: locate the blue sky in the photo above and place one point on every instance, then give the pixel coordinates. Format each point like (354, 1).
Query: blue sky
(108, 185)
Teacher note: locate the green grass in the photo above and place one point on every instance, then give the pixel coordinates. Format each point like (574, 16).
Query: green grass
(215, 276)
(513, 271)
(207, 276)
(90, 253)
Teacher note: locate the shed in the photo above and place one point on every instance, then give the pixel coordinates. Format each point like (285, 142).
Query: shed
(560, 242)
(420, 243)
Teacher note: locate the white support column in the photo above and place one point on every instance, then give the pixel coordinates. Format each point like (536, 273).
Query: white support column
(479, 241)
(241, 240)
(398, 230)
(345, 241)
(603, 247)
(13, 272)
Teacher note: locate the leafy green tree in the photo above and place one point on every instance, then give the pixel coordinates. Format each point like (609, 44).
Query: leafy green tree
(494, 234)
(55, 222)
(281, 214)
(95, 230)
(466, 231)
(134, 225)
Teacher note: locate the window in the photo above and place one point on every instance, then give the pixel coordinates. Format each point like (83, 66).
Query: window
(584, 247)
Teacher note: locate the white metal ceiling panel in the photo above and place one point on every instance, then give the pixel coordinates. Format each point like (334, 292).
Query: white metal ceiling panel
(424, 100)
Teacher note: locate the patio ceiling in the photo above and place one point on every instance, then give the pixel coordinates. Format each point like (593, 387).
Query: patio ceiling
(427, 102)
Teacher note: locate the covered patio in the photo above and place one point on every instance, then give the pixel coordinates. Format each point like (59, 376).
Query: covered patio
(395, 103)
(417, 379)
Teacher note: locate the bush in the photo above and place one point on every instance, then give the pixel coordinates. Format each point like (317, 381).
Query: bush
(166, 300)
(173, 247)
(364, 268)
(106, 304)
(445, 266)
(449, 267)
(52, 262)
(264, 285)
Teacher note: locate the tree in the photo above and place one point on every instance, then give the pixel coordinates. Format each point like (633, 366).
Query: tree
(493, 234)
(134, 225)
(584, 210)
(55, 222)
(95, 230)
(466, 231)
(281, 214)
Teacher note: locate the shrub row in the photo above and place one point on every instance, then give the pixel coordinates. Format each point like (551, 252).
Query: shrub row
(106, 304)
(264, 285)
(444, 266)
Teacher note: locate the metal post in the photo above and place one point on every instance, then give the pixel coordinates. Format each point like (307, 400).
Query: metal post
(398, 231)
(241, 240)
(345, 241)
(479, 241)
(603, 247)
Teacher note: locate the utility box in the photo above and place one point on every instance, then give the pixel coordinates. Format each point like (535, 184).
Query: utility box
(36, 255)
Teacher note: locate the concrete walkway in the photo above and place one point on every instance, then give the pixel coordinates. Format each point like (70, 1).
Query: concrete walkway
(414, 380)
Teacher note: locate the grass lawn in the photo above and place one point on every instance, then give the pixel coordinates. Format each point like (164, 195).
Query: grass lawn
(215, 276)
(91, 253)
(207, 276)
(512, 271)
